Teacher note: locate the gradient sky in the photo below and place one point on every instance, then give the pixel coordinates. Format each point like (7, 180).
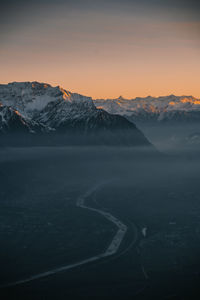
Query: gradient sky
(103, 48)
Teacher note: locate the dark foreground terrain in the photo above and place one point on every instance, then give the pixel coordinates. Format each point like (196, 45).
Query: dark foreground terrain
(42, 228)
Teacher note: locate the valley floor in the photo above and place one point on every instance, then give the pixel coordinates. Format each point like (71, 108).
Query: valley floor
(43, 227)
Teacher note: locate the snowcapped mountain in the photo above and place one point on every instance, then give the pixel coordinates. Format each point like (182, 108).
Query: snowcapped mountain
(173, 108)
(61, 117)
(32, 99)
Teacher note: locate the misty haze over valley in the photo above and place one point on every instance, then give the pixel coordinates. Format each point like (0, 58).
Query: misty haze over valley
(99, 198)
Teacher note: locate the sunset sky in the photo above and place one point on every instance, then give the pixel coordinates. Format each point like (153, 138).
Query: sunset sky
(103, 49)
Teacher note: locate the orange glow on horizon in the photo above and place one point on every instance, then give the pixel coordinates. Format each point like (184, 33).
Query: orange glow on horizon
(107, 55)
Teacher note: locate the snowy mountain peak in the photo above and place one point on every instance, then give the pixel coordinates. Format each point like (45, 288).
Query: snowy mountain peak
(121, 98)
(31, 97)
(42, 106)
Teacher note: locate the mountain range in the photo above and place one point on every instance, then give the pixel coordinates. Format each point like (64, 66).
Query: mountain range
(151, 109)
(37, 113)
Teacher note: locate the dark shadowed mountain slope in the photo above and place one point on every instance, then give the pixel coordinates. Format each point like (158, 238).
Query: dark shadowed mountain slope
(12, 121)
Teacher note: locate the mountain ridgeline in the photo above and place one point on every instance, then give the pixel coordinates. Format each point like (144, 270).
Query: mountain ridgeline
(166, 109)
(33, 113)
(171, 122)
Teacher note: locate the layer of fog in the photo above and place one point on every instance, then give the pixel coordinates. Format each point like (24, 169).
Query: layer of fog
(143, 165)
(173, 138)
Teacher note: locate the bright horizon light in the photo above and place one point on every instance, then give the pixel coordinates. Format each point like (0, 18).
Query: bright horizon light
(133, 49)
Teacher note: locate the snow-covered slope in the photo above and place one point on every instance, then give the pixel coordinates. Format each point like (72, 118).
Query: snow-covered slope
(41, 104)
(30, 98)
(160, 109)
(49, 111)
